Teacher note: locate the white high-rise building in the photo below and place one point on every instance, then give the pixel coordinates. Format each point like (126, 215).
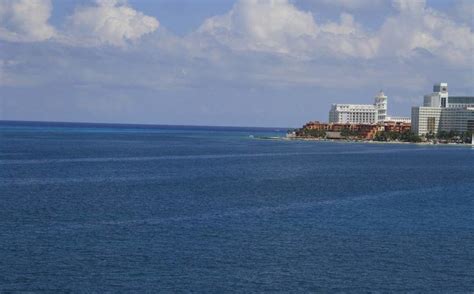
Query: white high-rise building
(353, 114)
(364, 113)
(439, 97)
(443, 113)
(381, 106)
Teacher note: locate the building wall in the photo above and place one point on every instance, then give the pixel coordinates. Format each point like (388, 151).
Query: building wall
(425, 119)
(399, 127)
(439, 97)
(461, 101)
(457, 119)
(380, 104)
(443, 113)
(366, 131)
(363, 113)
(435, 119)
(432, 100)
(353, 114)
(401, 119)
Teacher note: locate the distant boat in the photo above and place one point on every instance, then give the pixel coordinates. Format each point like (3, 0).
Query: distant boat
(251, 136)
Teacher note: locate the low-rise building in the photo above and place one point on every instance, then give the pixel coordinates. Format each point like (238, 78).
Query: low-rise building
(397, 126)
(365, 131)
(398, 119)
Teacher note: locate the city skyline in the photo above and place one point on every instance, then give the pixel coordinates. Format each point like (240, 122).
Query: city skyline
(236, 63)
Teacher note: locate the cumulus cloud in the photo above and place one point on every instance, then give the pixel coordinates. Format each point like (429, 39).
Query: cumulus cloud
(278, 26)
(25, 20)
(263, 25)
(270, 26)
(109, 22)
(418, 27)
(347, 38)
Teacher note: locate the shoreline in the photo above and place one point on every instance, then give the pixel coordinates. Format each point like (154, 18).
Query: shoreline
(364, 141)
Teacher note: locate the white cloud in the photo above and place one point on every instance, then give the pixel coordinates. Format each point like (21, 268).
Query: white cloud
(410, 6)
(262, 25)
(109, 22)
(277, 26)
(347, 38)
(269, 26)
(417, 27)
(352, 4)
(25, 20)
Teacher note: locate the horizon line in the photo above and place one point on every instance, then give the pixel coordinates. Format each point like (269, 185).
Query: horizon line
(139, 124)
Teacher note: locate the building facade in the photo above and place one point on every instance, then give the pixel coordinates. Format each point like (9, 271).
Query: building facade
(443, 113)
(461, 101)
(364, 113)
(353, 114)
(439, 97)
(380, 104)
(398, 119)
(366, 131)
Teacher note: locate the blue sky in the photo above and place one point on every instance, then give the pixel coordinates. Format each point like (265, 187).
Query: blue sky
(223, 62)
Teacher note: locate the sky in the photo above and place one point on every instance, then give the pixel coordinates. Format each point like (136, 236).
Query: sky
(275, 63)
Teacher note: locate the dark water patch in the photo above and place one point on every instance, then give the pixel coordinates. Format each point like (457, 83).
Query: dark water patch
(205, 210)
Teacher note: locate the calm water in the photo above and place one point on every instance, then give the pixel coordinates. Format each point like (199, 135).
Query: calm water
(93, 208)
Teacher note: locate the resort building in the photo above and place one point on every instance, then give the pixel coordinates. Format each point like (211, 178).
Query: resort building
(397, 126)
(398, 119)
(364, 113)
(353, 114)
(443, 113)
(365, 131)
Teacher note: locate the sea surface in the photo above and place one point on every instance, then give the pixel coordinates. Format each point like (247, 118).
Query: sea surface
(123, 208)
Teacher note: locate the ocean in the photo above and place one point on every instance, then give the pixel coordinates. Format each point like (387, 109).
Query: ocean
(124, 208)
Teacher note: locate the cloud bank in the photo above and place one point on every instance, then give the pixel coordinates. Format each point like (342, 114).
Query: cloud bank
(262, 62)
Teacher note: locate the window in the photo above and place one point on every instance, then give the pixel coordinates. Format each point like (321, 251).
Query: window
(470, 125)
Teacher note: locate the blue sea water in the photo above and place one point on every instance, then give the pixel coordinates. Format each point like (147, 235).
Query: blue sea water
(94, 208)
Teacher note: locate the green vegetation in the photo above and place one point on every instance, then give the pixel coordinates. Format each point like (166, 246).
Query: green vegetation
(430, 136)
(407, 136)
(348, 133)
(452, 136)
(312, 133)
(387, 136)
(410, 137)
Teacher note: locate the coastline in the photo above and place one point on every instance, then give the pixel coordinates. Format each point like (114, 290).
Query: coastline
(362, 141)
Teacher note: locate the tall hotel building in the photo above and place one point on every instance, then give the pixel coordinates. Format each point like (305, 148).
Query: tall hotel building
(363, 113)
(360, 113)
(443, 113)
